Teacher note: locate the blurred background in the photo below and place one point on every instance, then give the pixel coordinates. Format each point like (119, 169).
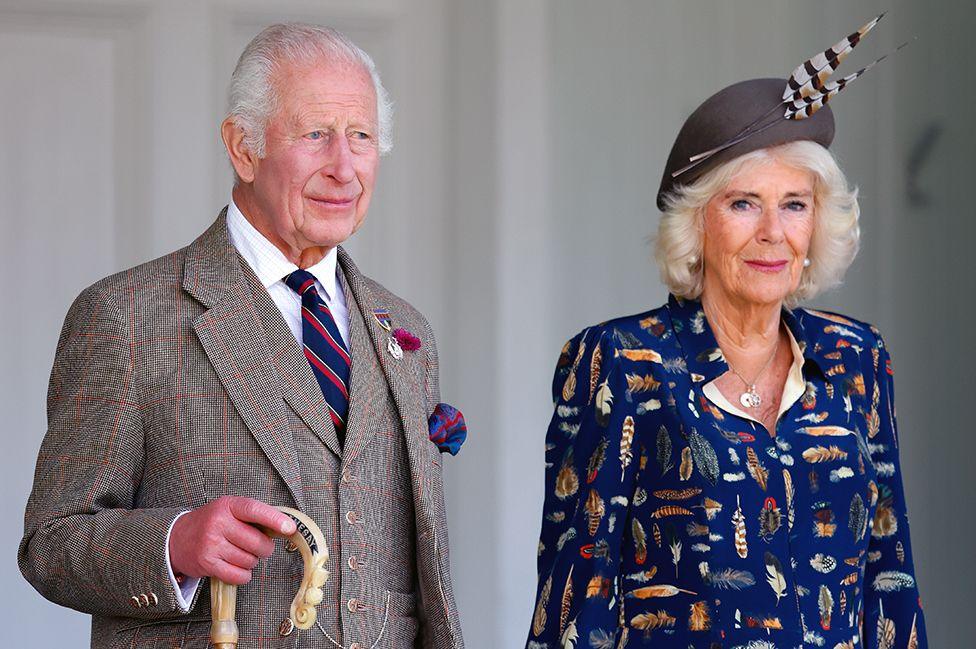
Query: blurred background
(515, 209)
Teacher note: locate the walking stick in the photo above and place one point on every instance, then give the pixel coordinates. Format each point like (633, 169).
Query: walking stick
(311, 543)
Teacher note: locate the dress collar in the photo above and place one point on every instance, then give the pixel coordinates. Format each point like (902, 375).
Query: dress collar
(702, 353)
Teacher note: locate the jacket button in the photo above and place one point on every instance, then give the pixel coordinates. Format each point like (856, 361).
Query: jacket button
(355, 645)
(353, 606)
(286, 627)
(144, 599)
(153, 600)
(290, 546)
(351, 518)
(134, 602)
(345, 475)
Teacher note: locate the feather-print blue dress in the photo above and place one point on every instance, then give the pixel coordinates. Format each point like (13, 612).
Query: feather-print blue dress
(672, 522)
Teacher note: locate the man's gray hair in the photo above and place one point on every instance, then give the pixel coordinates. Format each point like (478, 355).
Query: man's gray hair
(252, 96)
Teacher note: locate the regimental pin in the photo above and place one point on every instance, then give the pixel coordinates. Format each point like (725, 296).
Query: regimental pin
(394, 348)
(383, 318)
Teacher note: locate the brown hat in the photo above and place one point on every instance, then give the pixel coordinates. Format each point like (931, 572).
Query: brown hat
(754, 106)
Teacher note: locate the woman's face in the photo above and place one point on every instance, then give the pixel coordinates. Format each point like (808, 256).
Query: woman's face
(757, 233)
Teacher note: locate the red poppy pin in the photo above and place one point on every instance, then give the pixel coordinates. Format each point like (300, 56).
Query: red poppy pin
(407, 340)
(402, 340)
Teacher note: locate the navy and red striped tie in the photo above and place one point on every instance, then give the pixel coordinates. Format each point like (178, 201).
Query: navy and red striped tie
(324, 348)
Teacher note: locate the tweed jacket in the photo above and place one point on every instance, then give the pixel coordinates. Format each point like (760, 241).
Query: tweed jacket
(176, 382)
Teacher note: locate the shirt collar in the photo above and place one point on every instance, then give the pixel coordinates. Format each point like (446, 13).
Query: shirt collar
(792, 390)
(702, 353)
(807, 339)
(267, 261)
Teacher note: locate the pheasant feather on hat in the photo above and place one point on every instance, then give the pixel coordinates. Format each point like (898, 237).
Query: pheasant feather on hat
(761, 113)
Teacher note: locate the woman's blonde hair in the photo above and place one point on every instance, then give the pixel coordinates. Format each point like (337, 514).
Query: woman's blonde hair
(836, 233)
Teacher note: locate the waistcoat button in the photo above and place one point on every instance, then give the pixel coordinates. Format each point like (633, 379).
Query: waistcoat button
(287, 626)
(355, 645)
(353, 563)
(353, 605)
(351, 518)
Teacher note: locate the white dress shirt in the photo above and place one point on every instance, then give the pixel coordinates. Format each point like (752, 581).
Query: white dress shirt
(271, 267)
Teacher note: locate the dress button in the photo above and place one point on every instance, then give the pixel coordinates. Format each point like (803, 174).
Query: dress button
(290, 546)
(351, 518)
(353, 605)
(134, 602)
(286, 627)
(353, 563)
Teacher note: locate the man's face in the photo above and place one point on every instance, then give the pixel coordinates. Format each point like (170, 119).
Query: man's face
(313, 186)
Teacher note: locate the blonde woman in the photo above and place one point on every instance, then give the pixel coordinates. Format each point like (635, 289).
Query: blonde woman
(723, 470)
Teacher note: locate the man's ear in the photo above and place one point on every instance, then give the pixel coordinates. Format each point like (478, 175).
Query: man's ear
(243, 160)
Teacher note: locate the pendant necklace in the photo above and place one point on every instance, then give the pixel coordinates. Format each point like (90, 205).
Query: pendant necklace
(750, 398)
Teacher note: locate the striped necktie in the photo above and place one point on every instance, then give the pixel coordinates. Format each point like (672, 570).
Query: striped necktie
(324, 348)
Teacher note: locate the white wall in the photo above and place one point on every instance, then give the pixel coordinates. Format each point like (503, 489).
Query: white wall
(47, 187)
(514, 210)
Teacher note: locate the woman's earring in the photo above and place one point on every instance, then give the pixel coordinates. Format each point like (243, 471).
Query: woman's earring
(692, 260)
(806, 263)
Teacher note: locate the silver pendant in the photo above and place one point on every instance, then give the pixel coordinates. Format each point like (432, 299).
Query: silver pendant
(394, 348)
(750, 398)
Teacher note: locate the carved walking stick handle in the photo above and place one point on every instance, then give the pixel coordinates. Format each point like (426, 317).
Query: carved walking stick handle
(311, 543)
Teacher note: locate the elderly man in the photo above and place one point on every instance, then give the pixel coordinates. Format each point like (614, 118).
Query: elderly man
(255, 367)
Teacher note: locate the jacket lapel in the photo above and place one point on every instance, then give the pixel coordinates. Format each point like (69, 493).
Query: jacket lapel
(404, 377)
(406, 380)
(361, 401)
(298, 384)
(232, 336)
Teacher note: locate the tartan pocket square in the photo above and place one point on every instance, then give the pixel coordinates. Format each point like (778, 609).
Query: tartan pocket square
(447, 428)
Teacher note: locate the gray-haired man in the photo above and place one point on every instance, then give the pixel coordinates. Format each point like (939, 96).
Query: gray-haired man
(255, 367)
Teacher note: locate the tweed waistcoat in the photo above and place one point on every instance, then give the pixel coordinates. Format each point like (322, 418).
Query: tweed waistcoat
(361, 499)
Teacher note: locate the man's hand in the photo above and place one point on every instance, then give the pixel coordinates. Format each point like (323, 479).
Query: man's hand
(220, 539)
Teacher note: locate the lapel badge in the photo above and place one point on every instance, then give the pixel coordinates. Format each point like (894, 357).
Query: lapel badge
(402, 340)
(394, 348)
(383, 318)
